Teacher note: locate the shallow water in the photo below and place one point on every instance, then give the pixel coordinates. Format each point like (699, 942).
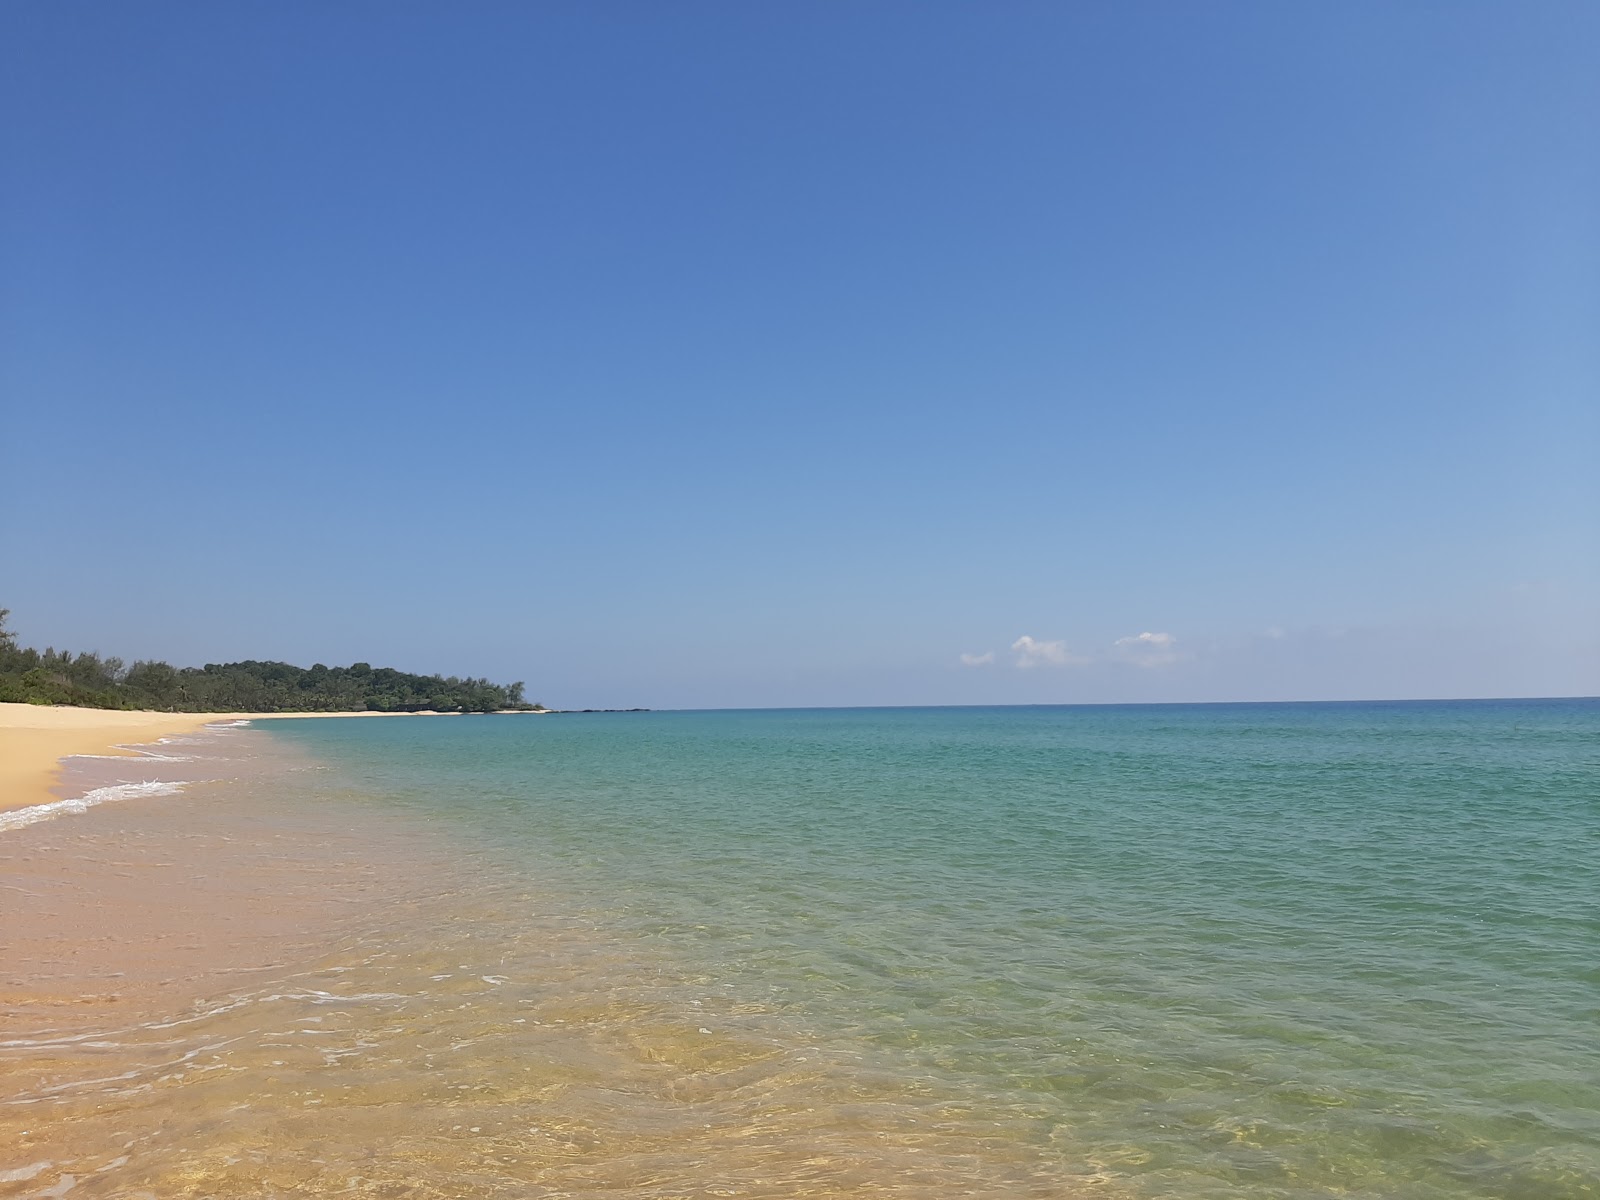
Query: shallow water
(1280, 950)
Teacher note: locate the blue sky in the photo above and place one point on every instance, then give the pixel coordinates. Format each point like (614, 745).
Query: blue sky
(727, 354)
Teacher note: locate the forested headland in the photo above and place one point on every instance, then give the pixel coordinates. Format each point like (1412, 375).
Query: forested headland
(53, 676)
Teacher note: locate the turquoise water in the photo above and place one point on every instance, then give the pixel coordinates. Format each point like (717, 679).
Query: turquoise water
(1279, 950)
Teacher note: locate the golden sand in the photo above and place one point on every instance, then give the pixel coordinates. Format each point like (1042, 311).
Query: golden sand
(35, 738)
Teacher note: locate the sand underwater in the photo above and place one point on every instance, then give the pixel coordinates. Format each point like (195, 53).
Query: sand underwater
(1178, 951)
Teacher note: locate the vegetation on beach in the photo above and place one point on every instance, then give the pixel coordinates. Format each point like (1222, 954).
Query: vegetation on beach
(53, 676)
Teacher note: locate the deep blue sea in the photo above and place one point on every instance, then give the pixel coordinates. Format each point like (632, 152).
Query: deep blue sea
(1283, 951)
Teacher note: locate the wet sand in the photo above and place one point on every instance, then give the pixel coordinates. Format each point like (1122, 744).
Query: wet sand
(154, 928)
(171, 891)
(266, 981)
(35, 740)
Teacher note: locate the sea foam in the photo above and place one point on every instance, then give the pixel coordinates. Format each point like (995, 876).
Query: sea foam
(32, 815)
(144, 755)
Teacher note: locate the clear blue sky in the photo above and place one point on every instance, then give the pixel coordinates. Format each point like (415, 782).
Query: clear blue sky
(758, 354)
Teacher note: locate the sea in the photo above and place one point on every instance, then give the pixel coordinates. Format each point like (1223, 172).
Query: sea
(1277, 951)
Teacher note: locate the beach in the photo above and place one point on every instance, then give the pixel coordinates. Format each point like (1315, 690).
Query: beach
(167, 901)
(1183, 951)
(34, 739)
(195, 885)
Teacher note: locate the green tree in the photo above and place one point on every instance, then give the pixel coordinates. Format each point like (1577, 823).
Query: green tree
(62, 677)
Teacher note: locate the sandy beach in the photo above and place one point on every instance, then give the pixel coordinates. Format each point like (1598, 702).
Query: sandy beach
(204, 879)
(35, 738)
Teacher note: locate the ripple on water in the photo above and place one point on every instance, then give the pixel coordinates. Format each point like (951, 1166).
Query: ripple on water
(1287, 951)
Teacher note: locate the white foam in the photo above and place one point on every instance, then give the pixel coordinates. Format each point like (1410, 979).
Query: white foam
(63, 1185)
(23, 1174)
(138, 752)
(32, 815)
(143, 755)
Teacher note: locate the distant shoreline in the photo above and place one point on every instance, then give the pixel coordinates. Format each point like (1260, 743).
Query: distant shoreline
(36, 739)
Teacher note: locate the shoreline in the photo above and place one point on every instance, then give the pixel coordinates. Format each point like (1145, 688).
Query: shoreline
(229, 872)
(36, 740)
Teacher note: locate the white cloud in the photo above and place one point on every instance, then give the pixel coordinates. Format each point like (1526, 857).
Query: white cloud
(1148, 649)
(977, 660)
(1158, 640)
(1031, 653)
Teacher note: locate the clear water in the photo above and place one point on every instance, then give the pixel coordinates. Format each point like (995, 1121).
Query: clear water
(1294, 950)
(1280, 951)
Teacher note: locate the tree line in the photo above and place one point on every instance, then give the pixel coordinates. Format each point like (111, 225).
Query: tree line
(87, 679)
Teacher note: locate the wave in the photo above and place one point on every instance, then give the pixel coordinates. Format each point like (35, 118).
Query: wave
(141, 755)
(32, 815)
(138, 751)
